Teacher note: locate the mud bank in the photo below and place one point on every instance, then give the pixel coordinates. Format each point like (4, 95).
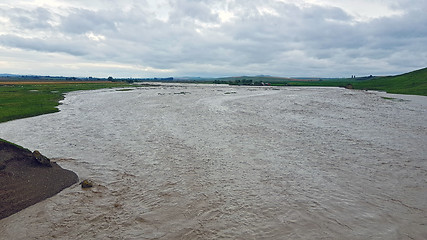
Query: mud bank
(24, 181)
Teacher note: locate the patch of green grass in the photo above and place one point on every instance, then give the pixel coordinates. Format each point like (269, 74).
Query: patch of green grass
(27, 100)
(414, 83)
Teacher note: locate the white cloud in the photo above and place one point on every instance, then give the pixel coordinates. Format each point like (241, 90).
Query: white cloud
(95, 37)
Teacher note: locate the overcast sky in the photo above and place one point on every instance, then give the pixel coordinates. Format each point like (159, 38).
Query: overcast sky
(210, 38)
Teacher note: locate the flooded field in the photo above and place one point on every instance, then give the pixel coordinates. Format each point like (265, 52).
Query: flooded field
(221, 162)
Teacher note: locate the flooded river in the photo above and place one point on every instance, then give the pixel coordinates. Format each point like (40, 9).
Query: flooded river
(221, 162)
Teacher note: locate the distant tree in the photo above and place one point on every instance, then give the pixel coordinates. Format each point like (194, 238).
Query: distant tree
(110, 78)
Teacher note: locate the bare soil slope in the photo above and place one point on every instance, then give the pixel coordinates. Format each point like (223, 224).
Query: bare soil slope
(24, 181)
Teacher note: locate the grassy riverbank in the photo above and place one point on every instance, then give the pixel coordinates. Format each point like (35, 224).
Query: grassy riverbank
(27, 99)
(413, 83)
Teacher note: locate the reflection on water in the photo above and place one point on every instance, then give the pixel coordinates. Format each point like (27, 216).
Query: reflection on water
(260, 163)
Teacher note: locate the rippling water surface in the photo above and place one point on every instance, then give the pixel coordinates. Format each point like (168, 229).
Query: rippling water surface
(220, 162)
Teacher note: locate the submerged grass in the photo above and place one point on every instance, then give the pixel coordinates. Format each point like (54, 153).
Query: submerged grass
(26, 100)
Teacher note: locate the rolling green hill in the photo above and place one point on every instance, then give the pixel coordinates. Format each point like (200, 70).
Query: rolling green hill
(414, 83)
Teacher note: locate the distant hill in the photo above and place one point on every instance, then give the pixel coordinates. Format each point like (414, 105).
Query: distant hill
(8, 75)
(414, 83)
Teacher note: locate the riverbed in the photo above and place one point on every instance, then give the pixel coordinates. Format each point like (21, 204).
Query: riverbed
(187, 161)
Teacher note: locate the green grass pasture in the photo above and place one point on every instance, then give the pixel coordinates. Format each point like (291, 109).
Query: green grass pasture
(19, 100)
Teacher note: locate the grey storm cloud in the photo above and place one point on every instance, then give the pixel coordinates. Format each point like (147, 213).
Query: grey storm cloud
(42, 45)
(269, 37)
(81, 21)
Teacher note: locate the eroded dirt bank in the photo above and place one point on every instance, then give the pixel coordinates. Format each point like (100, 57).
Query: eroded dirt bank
(25, 181)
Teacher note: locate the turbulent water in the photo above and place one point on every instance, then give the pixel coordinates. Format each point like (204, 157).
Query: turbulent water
(221, 162)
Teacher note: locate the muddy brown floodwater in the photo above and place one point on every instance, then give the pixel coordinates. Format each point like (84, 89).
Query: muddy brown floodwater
(221, 162)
